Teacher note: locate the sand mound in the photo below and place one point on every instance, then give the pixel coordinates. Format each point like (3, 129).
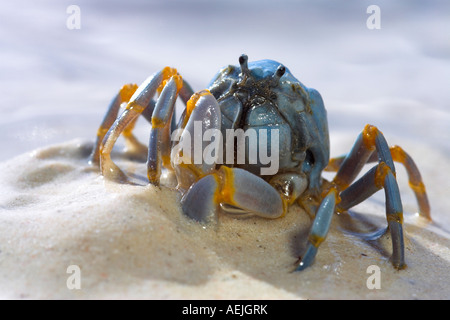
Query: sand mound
(131, 241)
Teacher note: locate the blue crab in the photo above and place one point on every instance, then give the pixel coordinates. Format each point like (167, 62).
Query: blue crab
(259, 96)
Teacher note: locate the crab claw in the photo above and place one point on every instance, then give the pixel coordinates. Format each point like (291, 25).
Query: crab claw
(236, 191)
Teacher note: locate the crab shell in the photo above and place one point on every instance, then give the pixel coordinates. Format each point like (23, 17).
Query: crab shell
(265, 95)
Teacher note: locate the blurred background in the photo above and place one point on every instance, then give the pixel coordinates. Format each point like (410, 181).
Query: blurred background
(57, 81)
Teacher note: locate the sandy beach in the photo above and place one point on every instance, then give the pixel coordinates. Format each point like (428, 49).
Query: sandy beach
(133, 242)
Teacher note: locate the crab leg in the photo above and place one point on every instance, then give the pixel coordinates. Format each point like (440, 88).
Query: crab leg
(319, 229)
(201, 116)
(159, 144)
(133, 146)
(122, 96)
(414, 176)
(381, 176)
(185, 93)
(138, 102)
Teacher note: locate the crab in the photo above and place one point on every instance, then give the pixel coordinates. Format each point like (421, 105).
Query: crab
(261, 96)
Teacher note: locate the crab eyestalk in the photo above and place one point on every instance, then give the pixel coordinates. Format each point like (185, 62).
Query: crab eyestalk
(277, 75)
(243, 61)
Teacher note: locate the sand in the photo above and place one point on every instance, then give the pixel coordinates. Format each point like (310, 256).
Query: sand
(133, 242)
